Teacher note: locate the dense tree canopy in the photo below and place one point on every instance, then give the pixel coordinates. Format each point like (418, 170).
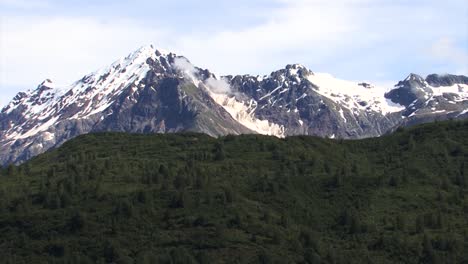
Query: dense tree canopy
(190, 198)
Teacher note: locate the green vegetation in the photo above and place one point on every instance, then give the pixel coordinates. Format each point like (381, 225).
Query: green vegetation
(189, 198)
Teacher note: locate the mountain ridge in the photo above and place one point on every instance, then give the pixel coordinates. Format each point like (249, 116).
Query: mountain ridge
(155, 91)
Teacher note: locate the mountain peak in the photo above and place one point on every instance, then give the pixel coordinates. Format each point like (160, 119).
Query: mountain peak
(48, 83)
(415, 77)
(144, 51)
(295, 66)
(438, 80)
(147, 51)
(294, 71)
(298, 68)
(147, 91)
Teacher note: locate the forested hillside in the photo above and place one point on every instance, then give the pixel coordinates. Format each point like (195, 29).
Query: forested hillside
(190, 198)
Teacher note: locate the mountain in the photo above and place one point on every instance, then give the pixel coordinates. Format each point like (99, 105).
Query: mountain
(154, 91)
(190, 198)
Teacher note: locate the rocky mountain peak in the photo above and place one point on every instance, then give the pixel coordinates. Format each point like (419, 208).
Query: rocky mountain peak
(298, 69)
(414, 77)
(413, 80)
(149, 51)
(438, 80)
(412, 88)
(48, 83)
(155, 91)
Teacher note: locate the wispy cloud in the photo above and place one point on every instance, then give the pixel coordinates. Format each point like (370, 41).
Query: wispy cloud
(347, 37)
(215, 85)
(354, 39)
(309, 30)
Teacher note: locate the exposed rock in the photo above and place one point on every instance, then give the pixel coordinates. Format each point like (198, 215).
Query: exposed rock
(146, 93)
(437, 80)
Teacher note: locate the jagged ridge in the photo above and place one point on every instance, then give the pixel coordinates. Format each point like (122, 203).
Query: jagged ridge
(156, 91)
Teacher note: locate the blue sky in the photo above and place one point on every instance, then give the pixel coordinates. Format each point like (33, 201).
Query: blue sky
(380, 41)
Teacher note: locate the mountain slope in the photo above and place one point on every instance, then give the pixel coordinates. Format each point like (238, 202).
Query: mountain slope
(318, 104)
(153, 91)
(190, 198)
(437, 96)
(144, 92)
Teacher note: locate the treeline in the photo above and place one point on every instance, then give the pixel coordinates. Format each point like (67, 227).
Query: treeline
(189, 198)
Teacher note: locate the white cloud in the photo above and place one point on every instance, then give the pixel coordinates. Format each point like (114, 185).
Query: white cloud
(314, 26)
(350, 36)
(220, 86)
(185, 66)
(215, 85)
(317, 32)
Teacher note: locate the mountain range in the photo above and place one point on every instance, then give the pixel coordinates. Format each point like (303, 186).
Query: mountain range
(154, 91)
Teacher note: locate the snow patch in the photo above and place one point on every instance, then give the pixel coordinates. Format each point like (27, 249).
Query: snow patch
(187, 69)
(463, 112)
(38, 128)
(47, 136)
(92, 94)
(352, 95)
(461, 90)
(245, 115)
(270, 93)
(342, 115)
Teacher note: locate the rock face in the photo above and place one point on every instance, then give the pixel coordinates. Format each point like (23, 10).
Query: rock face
(437, 97)
(437, 80)
(305, 103)
(153, 91)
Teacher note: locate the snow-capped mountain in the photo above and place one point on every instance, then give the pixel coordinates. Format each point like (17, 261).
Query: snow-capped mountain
(154, 91)
(437, 96)
(303, 102)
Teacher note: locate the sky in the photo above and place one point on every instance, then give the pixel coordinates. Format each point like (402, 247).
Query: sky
(380, 41)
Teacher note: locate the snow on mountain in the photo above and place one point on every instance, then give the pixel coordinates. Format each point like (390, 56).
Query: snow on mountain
(353, 95)
(154, 91)
(460, 91)
(220, 91)
(95, 91)
(244, 114)
(88, 96)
